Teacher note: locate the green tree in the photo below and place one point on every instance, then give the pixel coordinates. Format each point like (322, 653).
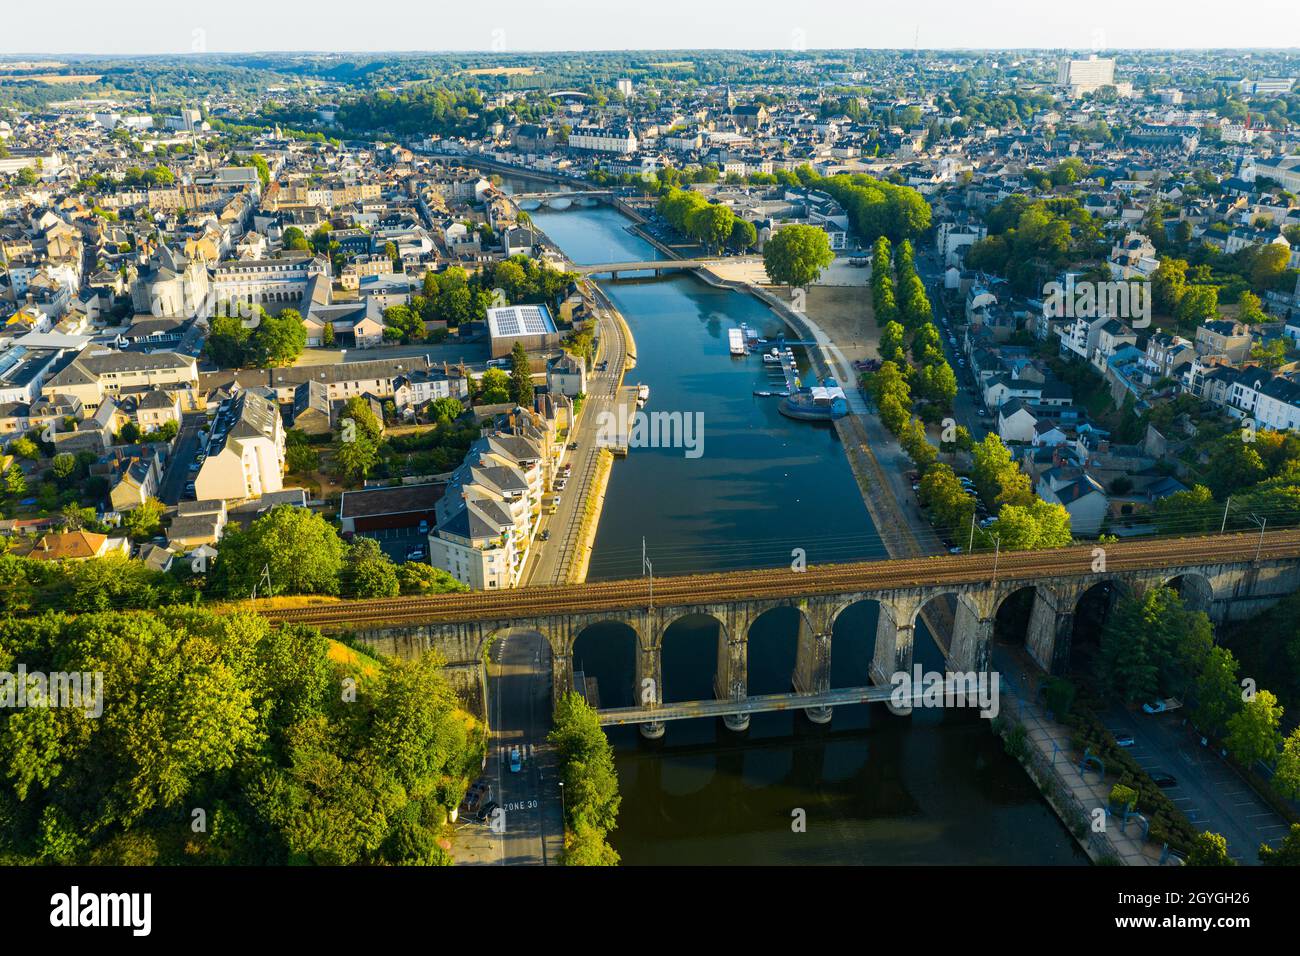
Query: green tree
(368, 572)
(279, 340)
(144, 520)
(1217, 693)
(300, 552)
(493, 387)
(1253, 730)
(1288, 854)
(416, 577)
(1209, 849)
(1286, 778)
(796, 255)
(521, 377)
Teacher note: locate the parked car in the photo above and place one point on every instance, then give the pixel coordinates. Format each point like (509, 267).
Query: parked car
(546, 535)
(573, 446)
(485, 811)
(1161, 706)
(516, 761)
(1163, 780)
(415, 554)
(1124, 740)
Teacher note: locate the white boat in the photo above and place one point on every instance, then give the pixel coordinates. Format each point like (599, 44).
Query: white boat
(736, 341)
(642, 395)
(773, 357)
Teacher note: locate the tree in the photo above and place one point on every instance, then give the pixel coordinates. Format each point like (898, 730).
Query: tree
(368, 572)
(403, 323)
(1209, 849)
(1253, 730)
(743, 236)
(145, 519)
(416, 577)
(446, 409)
(1288, 854)
(997, 476)
(493, 387)
(1198, 305)
(1032, 527)
(1169, 283)
(63, 466)
(1150, 644)
(227, 343)
(521, 377)
(24, 447)
(295, 240)
(15, 482)
(1286, 778)
(1216, 691)
(590, 781)
(712, 225)
(1250, 309)
(297, 547)
(796, 255)
(279, 340)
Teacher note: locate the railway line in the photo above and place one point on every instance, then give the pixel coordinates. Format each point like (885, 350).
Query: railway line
(817, 580)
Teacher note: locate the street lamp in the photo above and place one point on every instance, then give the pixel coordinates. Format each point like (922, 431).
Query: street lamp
(997, 551)
(562, 809)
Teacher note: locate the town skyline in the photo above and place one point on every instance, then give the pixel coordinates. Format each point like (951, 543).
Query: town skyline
(518, 27)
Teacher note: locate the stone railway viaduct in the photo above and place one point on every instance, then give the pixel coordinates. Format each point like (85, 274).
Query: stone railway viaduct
(1230, 577)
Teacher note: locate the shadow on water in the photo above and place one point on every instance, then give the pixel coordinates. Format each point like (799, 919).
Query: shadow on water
(935, 787)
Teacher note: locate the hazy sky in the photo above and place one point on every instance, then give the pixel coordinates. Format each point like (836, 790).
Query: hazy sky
(224, 26)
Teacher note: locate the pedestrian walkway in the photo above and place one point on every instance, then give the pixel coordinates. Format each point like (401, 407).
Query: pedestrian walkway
(1075, 795)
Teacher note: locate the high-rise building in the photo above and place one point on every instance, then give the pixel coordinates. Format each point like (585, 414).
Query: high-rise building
(1085, 76)
(625, 87)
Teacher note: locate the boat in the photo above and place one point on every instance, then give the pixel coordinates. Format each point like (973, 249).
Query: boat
(736, 340)
(642, 395)
(822, 402)
(772, 357)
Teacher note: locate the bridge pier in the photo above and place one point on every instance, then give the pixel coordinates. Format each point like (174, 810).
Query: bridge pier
(894, 636)
(731, 681)
(650, 685)
(972, 638)
(1051, 627)
(812, 668)
(561, 675)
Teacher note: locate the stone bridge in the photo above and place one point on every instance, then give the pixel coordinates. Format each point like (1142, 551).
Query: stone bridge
(1232, 589)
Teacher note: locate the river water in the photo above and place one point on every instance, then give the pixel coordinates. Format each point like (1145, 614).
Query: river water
(935, 787)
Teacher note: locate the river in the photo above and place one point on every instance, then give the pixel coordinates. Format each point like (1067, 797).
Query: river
(935, 787)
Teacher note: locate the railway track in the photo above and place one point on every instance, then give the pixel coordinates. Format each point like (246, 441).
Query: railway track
(817, 580)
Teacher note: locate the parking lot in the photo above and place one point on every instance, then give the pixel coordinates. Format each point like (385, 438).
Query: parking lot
(397, 543)
(1208, 791)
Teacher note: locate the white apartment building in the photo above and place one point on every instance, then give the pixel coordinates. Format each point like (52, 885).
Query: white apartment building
(603, 140)
(486, 519)
(1085, 76)
(245, 450)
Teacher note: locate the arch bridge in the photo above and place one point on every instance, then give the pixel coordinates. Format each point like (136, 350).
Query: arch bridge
(1230, 577)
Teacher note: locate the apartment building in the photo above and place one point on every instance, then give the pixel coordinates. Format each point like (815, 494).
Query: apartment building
(603, 140)
(245, 452)
(489, 512)
(271, 282)
(91, 376)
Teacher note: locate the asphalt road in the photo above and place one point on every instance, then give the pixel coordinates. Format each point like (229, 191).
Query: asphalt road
(551, 560)
(178, 473)
(520, 695)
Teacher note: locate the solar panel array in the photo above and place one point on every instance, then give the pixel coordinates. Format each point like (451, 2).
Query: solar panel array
(520, 320)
